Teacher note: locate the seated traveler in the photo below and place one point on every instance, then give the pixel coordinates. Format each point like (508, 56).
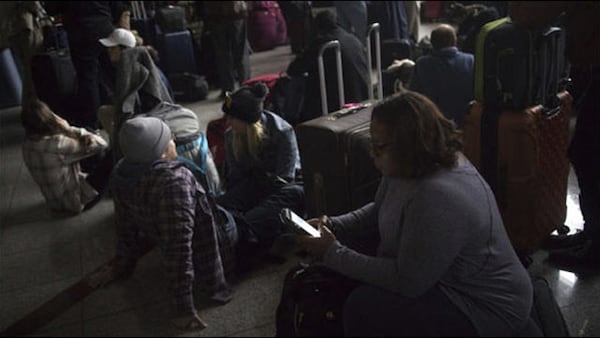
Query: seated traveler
(52, 150)
(446, 75)
(261, 164)
(157, 198)
(444, 264)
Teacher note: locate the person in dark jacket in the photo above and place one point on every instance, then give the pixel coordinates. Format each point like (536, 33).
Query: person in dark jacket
(226, 22)
(582, 249)
(261, 164)
(354, 67)
(86, 22)
(446, 75)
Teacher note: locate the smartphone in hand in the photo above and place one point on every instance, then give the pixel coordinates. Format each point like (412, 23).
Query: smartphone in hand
(289, 217)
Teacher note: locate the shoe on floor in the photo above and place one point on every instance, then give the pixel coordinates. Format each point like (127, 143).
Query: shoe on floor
(583, 256)
(561, 242)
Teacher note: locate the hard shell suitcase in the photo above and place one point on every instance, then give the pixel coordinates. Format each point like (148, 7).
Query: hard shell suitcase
(529, 170)
(338, 171)
(177, 53)
(55, 80)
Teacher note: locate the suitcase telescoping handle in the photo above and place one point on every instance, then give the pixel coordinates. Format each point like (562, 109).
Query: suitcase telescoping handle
(374, 28)
(340, 77)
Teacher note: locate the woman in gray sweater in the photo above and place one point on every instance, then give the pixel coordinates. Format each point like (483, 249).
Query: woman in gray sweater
(444, 264)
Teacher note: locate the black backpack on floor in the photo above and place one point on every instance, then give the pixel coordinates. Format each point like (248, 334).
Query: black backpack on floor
(312, 302)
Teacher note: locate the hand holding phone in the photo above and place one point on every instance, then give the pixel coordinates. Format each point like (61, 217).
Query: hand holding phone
(289, 217)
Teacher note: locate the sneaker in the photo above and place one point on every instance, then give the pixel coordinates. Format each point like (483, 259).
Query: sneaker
(561, 242)
(583, 256)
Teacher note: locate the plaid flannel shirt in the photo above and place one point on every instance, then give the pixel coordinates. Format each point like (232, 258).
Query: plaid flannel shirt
(169, 206)
(53, 162)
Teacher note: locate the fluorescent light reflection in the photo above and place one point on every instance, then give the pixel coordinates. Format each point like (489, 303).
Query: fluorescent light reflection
(574, 217)
(568, 279)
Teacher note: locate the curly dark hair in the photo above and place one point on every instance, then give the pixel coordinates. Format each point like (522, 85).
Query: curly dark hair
(423, 139)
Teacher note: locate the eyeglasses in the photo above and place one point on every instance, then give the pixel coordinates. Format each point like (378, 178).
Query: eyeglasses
(378, 148)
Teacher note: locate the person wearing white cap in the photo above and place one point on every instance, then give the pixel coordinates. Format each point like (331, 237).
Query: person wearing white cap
(157, 196)
(138, 84)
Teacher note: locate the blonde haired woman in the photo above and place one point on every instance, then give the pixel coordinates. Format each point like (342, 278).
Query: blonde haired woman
(260, 167)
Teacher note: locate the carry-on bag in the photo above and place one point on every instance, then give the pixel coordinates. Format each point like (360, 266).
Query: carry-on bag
(177, 53)
(266, 26)
(171, 19)
(188, 87)
(55, 80)
(312, 302)
(525, 164)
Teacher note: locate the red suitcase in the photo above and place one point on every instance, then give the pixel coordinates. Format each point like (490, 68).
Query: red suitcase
(531, 171)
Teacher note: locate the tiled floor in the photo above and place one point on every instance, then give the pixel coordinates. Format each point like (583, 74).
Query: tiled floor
(42, 254)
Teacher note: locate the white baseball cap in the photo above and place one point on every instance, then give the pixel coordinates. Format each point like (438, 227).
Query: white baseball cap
(119, 36)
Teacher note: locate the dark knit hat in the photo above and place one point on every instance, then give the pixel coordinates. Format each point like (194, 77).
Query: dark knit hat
(246, 103)
(144, 139)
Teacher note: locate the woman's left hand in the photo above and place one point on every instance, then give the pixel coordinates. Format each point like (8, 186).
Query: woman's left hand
(317, 246)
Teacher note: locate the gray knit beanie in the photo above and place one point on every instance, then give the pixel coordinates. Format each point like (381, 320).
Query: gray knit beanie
(144, 139)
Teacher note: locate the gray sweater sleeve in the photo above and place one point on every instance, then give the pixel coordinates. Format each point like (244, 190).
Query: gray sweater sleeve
(354, 221)
(432, 232)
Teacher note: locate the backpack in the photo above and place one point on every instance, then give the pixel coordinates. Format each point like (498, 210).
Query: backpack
(191, 142)
(312, 302)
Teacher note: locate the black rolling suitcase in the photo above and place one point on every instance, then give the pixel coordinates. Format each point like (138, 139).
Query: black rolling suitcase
(177, 53)
(338, 171)
(55, 80)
